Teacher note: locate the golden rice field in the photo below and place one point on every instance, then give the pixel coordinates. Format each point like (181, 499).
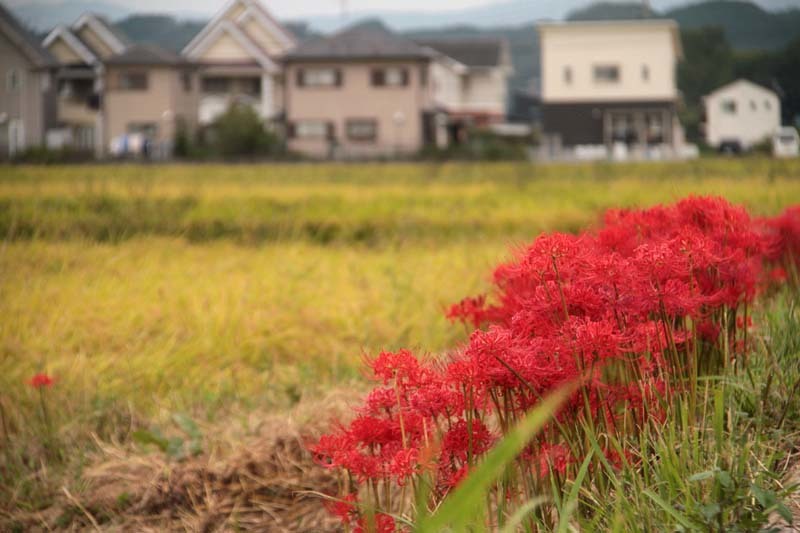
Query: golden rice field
(158, 289)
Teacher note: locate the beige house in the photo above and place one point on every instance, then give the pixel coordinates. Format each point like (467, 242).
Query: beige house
(238, 54)
(612, 85)
(151, 93)
(26, 88)
(82, 51)
(740, 115)
(367, 92)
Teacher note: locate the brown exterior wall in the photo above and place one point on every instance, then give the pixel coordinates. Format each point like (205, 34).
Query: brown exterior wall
(582, 123)
(163, 103)
(356, 98)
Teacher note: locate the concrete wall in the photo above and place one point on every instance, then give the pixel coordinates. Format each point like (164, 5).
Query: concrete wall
(356, 98)
(632, 47)
(757, 115)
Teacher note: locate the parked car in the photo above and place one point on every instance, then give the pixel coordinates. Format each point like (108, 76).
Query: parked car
(786, 143)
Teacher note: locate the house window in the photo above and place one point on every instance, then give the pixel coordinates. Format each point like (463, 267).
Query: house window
(319, 77)
(362, 130)
(133, 81)
(216, 85)
(645, 73)
(390, 77)
(568, 75)
(311, 129)
(12, 80)
(753, 105)
(767, 105)
(186, 81)
(729, 107)
(606, 73)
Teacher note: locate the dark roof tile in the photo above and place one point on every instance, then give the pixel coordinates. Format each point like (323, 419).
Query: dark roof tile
(359, 42)
(475, 52)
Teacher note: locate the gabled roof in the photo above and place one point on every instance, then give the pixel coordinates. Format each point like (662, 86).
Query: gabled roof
(221, 22)
(474, 53)
(114, 38)
(359, 42)
(27, 43)
(71, 40)
(110, 34)
(145, 55)
(736, 83)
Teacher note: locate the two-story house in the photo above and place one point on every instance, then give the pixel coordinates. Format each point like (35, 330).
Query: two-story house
(363, 92)
(611, 84)
(26, 87)
(741, 114)
(238, 54)
(82, 51)
(368, 92)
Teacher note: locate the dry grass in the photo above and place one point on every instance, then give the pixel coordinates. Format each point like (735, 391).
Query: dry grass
(254, 476)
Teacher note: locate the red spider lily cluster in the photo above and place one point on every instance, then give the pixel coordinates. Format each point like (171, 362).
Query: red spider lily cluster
(635, 311)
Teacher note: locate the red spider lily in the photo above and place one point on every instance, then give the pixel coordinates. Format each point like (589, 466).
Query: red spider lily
(634, 311)
(41, 380)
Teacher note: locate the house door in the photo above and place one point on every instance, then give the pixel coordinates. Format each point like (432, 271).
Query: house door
(16, 137)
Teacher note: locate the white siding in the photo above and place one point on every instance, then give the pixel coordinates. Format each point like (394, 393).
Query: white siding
(756, 114)
(645, 55)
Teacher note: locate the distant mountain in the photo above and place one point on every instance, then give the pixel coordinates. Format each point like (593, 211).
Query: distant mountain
(44, 14)
(613, 11)
(747, 26)
(161, 30)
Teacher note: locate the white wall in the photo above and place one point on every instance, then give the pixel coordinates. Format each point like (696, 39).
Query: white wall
(756, 117)
(629, 45)
(486, 91)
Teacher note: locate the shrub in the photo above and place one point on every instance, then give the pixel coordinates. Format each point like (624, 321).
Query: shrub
(240, 132)
(635, 312)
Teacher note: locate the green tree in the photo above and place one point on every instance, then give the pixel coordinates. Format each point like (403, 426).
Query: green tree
(240, 132)
(708, 63)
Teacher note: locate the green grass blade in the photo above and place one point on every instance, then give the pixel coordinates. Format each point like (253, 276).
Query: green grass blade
(468, 499)
(680, 518)
(572, 500)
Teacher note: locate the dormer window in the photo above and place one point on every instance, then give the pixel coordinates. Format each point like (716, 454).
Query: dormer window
(606, 73)
(568, 75)
(645, 73)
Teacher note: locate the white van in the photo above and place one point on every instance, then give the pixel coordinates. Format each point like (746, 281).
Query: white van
(786, 143)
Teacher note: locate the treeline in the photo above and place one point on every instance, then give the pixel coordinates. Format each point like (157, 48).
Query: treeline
(711, 61)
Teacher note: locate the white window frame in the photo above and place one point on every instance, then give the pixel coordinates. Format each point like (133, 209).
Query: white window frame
(369, 125)
(311, 129)
(320, 77)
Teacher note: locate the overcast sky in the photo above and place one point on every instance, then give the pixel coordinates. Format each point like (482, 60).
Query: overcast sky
(285, 8)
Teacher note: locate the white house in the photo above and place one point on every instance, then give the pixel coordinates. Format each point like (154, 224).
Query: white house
(239, 54)
(611, 84)
(740, 115)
